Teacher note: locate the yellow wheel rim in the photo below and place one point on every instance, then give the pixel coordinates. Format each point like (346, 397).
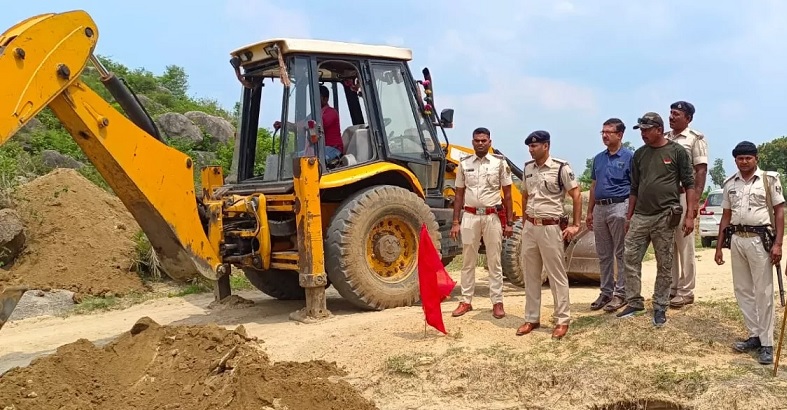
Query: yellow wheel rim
(391, 248)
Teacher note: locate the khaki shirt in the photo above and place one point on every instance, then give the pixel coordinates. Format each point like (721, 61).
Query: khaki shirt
(747, 199)
(544, 196)
(694, 142)
(482, 179)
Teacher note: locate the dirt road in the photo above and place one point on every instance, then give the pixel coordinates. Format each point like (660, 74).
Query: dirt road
(395, 362)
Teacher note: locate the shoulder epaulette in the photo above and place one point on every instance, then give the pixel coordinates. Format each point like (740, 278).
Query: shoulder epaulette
(466, 157)
(696, 133)
(499, 156)
(560, 161)
(730, 178)
(772, 174)
(530, 162)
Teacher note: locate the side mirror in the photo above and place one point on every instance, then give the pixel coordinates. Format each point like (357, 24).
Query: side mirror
(447, 118)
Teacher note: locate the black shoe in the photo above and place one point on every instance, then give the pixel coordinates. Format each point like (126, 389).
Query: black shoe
(747, 345)
(766, 355)
(631, 311)
(659, 318)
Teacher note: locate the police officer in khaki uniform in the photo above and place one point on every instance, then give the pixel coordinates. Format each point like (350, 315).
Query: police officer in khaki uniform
(547, 180)
(684, 265)
(479, 179)
(755, 245)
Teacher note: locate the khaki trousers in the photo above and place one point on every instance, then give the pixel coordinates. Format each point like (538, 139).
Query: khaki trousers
(752, 278)
(684, 265)
(542, 250)
(474, 227)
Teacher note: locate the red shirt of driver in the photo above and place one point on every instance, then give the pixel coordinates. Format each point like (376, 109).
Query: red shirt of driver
(333, 132)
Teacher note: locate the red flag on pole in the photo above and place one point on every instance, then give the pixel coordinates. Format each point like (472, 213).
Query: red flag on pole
(435, 284)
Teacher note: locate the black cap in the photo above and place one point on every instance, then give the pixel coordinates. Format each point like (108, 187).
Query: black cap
(537, 136)
(684, 106)
(744, 148)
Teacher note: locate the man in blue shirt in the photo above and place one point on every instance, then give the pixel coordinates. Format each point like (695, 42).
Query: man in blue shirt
(606, 214)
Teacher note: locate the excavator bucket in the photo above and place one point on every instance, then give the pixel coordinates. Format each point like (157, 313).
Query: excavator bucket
(8, 301)
(581, 258)
(41, 60)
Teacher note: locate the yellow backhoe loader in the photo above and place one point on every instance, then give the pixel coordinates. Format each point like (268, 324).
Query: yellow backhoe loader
(296, 220)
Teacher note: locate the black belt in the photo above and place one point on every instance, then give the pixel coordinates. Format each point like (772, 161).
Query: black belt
(610, 201)
(749, 228)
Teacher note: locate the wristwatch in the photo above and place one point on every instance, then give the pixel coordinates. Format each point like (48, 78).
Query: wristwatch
(510, 223)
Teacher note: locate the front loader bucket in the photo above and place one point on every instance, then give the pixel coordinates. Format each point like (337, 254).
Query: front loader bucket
(581, 258)
(8, 301)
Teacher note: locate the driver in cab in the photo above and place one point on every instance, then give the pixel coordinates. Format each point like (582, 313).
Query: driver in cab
(334, 147)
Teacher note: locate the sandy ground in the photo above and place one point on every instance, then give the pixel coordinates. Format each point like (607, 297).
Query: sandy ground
(358, 341)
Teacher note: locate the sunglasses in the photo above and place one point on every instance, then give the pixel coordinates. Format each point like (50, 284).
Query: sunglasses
(646, 121)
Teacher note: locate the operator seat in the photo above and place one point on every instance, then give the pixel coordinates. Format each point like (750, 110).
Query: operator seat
(357, 145)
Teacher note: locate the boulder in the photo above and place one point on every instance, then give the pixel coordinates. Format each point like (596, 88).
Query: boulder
(54, 159)
(219, 129)
(150, 105)
(178, 126)
(25, 134)
(12, 236)
(204, 158)
(32, 126)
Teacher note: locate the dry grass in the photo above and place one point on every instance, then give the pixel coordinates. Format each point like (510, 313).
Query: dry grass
(606, 360)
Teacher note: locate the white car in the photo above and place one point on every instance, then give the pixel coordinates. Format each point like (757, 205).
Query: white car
(710, 216)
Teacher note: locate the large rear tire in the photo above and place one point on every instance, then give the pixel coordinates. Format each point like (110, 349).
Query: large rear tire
(511, 258)
(276, 283)
(371, 251)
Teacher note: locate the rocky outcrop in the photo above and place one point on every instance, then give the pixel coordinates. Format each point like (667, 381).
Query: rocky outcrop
(54, 159)
(32, 126)
(150, 105)
(12, 236)
(179, 126)
(219, 129)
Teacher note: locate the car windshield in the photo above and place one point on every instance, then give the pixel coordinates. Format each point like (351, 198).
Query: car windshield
(714, 200)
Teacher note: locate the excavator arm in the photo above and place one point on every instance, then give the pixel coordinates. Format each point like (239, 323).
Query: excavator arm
(41, 60)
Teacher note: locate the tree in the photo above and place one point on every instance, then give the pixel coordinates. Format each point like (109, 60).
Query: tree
(717, 173)
(175, 79)
(585, 179)
(773, 156)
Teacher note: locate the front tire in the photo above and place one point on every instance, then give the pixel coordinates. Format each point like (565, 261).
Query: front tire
(371, 252)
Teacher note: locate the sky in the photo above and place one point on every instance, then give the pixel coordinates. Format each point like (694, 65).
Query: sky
(515, 67)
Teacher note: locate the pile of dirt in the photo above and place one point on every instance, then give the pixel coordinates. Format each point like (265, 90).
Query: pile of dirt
(175, 367)
(79, 237)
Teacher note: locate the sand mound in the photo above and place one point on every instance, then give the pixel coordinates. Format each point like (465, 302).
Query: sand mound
(175, 367)
(80, 237)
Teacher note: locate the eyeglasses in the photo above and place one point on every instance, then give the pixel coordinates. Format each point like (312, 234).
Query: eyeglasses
(609, 132)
